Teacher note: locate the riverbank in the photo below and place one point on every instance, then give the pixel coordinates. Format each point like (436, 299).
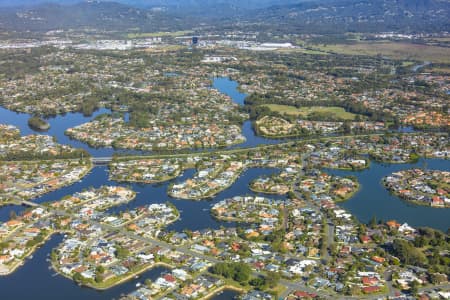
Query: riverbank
(255, 190)
(27, 255)
(213, 293)
(420, 186)
(30, 191)
(107, 285)
(349, 195)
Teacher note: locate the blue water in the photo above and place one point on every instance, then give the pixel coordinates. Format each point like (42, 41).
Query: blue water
(191, 211)
(60, 123)
(35, 280)
(226, 295)
(229, 87)
(374, 200)
(371, 200)
(5, 211)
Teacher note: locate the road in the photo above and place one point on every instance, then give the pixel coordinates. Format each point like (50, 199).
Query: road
(330, 238)
(99, 161)
(290, 285)
(110, 228)
(388, 278)
(243, 149)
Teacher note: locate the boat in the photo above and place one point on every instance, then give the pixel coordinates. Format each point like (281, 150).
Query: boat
(138, 284)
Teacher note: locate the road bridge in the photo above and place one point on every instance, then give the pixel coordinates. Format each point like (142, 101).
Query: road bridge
(100, 161)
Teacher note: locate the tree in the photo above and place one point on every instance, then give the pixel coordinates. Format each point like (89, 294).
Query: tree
(77, 277)
(346, 127)
(239, 272)
(414, 287)
(121, 252)
(241, 275)
(259, 283)
(354, 290)
(272, 279)
(100, 269)
(98, 278)
(408, 254)
(437, 278)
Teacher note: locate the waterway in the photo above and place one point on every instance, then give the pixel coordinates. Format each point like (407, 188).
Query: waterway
(230, 88)
(226, 295)
(35, 280)
(371, 200)
(420, 66)
(59, 124)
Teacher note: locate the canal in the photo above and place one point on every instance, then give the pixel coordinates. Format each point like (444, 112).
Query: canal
(35, 279)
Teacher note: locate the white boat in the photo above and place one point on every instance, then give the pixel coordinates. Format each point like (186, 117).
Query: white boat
(138, 284)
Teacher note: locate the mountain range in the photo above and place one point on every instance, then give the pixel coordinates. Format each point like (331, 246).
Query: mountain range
(360, 16)
(315, 16)
(245, 4)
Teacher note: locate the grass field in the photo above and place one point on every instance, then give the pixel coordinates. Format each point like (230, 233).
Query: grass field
(408, 63)
(158, 34)
(438, 69)
(304, 51)
(165, 48)
(395, 50)
(438, 39)
(305, 111)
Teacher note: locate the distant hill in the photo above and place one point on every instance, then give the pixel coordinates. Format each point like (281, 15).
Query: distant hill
(359, 16)
(287, 16)
(17, 3)
(99, 15)
(246, 4)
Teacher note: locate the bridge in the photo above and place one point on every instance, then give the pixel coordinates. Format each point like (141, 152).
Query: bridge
(29, 203)
(100, 161)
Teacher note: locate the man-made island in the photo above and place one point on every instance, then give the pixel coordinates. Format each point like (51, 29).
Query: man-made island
(424, 187)
(38, 123)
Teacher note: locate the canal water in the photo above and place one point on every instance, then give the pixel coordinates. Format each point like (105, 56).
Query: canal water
(373, 200)
(59, 124)
(230, 88)
(226, 295)
(35, 279)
